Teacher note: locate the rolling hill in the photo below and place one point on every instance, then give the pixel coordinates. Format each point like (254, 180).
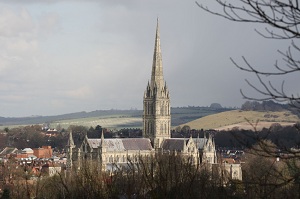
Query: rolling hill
(243, 120)
(113, 119)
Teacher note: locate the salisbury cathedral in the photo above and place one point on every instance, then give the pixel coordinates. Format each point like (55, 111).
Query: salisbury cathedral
(156, 131)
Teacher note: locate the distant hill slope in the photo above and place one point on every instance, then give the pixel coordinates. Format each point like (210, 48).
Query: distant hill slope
(238, 118)
(5, 121)
(110, 118)
(179, 115)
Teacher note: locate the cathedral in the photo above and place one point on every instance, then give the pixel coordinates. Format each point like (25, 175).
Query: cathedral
(156, 131)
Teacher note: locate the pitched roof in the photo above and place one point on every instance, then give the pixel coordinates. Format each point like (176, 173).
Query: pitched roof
(94, 143)
(27, 150)
(8, 150)
(200, 142)
(122, 144)
(174, 144)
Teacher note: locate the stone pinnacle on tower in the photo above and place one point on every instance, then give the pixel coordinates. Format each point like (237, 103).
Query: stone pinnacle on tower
(70, 140)
(70, 147)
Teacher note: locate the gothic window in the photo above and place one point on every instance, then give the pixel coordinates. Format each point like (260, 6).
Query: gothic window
(151, 108)
(117, 159)
(110, 159)
(85, 148)
(209, 147)
(145, 127)
(123, 158)
(153, 129)
(168, 130)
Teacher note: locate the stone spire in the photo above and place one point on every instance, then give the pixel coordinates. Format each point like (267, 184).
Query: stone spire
(156, 115)
(157, 78)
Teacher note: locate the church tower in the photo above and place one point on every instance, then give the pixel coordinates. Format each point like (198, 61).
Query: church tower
(156, 115)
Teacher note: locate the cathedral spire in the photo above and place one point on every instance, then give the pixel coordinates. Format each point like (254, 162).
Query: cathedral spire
(156, 114)
(157, 68)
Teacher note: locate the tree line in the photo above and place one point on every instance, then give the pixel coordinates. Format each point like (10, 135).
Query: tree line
(33, 137)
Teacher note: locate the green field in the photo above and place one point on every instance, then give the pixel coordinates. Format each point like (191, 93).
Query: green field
(109, 122)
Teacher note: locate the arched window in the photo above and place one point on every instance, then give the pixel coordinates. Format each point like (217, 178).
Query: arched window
(151, 108)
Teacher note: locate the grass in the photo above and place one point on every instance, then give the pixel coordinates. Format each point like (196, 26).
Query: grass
(230, 118)
(113, 119)
(106, 122)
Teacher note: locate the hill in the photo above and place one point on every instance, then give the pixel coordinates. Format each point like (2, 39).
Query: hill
(179, 116)
(4, 121)
(110, 118)
(237, 118)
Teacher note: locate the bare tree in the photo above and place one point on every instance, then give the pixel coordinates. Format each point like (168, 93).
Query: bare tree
(282, 20)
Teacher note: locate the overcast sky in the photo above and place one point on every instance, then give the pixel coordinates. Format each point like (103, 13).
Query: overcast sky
(66, 56)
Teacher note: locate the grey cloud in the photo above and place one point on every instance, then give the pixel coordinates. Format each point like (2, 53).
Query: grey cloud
(98, 55)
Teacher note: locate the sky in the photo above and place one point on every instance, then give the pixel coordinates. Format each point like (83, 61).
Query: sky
(65, 56)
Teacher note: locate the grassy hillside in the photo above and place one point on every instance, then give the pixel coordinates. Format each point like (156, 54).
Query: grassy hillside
(179, 116)
(112, 119)
(113, 122)
(238, 118)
